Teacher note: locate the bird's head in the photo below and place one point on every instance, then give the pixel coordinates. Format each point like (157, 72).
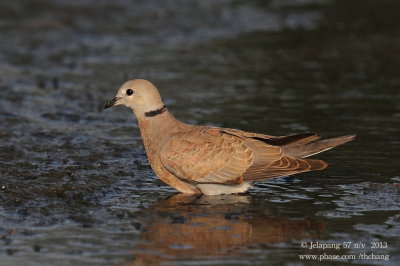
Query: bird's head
(138, 94)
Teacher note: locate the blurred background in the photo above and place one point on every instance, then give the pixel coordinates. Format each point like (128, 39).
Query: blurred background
(75, 184)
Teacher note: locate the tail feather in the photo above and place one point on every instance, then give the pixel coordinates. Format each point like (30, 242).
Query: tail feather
(312, 148)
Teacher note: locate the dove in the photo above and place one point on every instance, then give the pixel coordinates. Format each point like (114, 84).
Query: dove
(208, 160)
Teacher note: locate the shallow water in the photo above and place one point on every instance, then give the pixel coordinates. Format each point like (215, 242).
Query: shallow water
(75, 185)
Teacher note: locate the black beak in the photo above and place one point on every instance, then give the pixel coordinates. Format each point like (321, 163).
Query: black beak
(111, 103)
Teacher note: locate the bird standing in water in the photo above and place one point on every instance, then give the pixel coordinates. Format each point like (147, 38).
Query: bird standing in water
(212, 160)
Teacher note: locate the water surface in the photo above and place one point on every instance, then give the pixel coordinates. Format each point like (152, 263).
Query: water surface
(75, 184)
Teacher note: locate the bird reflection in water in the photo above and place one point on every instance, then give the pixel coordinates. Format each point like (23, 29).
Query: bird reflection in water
(189, 226)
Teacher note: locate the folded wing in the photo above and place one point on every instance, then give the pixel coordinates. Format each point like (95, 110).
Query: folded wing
(227, 156)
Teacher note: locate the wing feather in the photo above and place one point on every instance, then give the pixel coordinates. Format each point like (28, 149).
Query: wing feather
(207, 156)
(284, 167)
(228, 156)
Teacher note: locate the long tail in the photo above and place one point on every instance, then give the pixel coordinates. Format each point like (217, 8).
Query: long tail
(308, 149)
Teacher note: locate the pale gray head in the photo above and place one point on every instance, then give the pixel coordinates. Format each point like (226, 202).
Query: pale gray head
(140, 95)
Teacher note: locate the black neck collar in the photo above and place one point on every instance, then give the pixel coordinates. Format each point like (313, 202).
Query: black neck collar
(155, 112)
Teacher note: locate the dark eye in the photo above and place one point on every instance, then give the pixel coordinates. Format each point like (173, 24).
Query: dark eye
(129, 92)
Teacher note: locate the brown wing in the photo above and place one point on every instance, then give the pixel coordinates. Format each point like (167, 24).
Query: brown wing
(275, 140)
(206, 155)
(226, 156)
(265, 166)
(284, 167)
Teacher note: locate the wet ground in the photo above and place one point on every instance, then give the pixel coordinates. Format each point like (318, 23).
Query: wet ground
(75, 185)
